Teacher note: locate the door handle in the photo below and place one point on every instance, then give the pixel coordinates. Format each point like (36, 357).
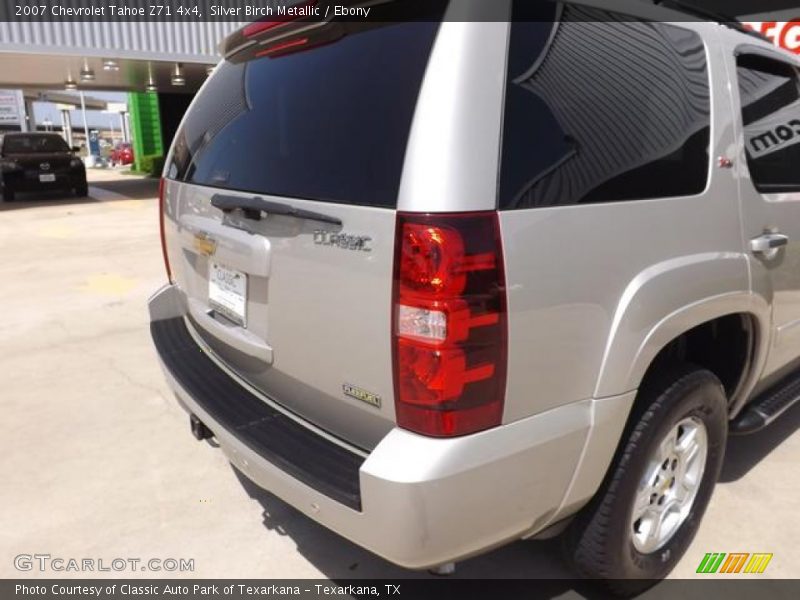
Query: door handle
(767, 242)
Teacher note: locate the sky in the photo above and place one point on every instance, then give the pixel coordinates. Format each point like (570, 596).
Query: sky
(94, 118)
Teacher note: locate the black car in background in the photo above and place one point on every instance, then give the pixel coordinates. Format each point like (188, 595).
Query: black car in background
(31, 162)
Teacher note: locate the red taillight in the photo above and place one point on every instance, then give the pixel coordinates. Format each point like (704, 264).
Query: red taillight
(161, 209)
(449, 323)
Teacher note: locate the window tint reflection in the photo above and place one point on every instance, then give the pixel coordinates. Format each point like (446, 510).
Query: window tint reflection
(603, 108)
(770, 99)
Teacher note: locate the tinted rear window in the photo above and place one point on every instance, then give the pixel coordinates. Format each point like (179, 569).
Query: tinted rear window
(23, 144)
(325, 120)
(601, 107)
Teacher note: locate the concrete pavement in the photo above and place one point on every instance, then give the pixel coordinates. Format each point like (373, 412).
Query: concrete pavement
(97, 460)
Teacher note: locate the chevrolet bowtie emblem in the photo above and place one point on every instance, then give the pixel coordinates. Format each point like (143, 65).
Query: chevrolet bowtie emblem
(204, 244)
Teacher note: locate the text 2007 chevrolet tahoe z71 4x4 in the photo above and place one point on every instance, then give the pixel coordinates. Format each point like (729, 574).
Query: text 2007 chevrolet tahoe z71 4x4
(449, 283)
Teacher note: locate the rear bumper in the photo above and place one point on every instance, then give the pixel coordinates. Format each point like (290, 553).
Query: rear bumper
(26, 182)
(421, 501)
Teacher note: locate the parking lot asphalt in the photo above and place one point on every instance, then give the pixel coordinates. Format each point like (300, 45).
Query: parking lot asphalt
(97, 460)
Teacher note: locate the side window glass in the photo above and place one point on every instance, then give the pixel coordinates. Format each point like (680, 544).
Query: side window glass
(769, 91)
(602, 108)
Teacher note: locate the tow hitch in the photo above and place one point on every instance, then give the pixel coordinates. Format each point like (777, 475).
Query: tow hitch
(199, 430)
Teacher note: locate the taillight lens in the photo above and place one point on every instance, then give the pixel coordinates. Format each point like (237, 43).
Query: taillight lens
(161, 210)
(449, 323)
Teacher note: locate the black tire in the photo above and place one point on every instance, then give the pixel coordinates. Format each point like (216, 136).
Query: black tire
(82, 191)
(599, 543)
(8, 194)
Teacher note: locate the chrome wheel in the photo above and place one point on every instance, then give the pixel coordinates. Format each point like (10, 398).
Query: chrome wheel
(669, 486)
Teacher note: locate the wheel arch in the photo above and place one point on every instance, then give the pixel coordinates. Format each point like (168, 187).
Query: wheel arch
(629, 357)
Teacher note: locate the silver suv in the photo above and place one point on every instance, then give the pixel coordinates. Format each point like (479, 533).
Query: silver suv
(490, 274)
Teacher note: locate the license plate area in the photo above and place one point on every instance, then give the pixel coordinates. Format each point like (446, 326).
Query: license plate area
(227, 292)
(47, 177)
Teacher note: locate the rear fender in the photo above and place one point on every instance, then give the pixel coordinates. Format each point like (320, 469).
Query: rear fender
(670, 298)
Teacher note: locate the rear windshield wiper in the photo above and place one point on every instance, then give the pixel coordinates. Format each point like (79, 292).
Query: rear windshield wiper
(255, 205)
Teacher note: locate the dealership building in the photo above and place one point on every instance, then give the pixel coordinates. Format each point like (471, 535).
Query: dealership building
(159, 65)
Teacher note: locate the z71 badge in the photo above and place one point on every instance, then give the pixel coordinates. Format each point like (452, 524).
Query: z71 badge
(363, 395)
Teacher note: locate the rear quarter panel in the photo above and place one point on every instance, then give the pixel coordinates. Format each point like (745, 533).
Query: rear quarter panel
(594, 291)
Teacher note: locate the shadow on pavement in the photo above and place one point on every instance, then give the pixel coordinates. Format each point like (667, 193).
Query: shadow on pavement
(128, 187)
(134, 188)
(38, 199)
(745, 451)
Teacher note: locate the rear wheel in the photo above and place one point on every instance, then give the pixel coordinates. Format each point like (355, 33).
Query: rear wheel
(82, 190)
(8, 194)
(650, 506)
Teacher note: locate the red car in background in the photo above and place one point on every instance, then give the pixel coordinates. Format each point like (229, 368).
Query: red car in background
(122, 154)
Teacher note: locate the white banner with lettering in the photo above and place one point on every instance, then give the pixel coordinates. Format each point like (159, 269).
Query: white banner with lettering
(775, 132)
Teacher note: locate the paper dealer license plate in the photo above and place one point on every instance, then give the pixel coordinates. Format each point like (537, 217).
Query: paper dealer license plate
(227, 293)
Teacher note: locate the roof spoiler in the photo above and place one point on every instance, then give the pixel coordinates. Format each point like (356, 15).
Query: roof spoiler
(305, 11)
(304, 15)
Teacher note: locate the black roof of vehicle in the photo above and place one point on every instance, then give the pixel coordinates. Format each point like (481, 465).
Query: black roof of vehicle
(29, 133)
(41, 136)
